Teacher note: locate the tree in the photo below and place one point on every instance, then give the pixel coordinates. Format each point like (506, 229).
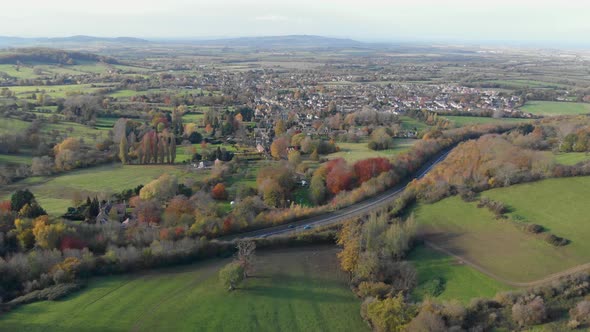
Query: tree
(161, 188)
(231, 275)
(278, 148)
(340, 176)
(349, 239)
(246, 251)
(20, 198)
(123, 150)
(294, 158)
(388, 315)
(149, 212)
(370, 168)
(317, 186)
(218, 192)
(529, 313)
(380, 140)
(280, 128)
(48, 236)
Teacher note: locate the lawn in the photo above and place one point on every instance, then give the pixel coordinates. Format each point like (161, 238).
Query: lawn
(559, 205)
(555, 108)
(468, 120)
(15, 159)
(353, 152)
(571, 158)
(291, 290)
(460, 281)
(55, 193)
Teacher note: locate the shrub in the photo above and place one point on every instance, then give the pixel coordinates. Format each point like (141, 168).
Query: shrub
(534, 228)
(391, 314)
(526, 313)
(556, 240)
(434, 287)
(374, 289)
(581, 312)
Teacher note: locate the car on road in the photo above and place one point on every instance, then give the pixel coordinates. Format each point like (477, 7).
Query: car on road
(291, 226)
(306, 227)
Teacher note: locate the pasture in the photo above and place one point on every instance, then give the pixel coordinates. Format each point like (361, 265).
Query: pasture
(55, 193)
(571, 158)
(472, 120)
(549, 108)
(500, 247)
(353, 152)
(459, 281)
(291, 290)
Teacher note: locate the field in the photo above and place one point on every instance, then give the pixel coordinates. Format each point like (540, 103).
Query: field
(357, 151)
(55, 193)
(460, 281)
(10, 126)
(468, 120)
(500, 247)
(292, 290)
(555, 108)
(571, 158)
(409, 123)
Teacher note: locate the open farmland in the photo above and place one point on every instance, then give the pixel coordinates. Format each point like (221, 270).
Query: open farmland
(555, 108)
(291, 290)
(456, 281)
(55, 193)
(501, 248)
(353, 152)
(469, 120)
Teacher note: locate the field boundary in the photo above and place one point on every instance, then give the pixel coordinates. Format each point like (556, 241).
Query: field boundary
(542, 281)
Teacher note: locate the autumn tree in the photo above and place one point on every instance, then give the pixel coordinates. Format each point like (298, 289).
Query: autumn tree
(278, 148)
(123, 150)
(380, 139)
(148, 212)
(349, 238)
(218, 192)
(161, 188)
(280, 128)
(370, 168)
(339, 176)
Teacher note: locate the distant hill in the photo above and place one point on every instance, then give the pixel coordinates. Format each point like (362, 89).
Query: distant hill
(38, 55)
(20, 41)
(282, 41)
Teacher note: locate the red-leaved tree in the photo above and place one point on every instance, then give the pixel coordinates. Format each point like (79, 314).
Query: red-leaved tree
(370, 168)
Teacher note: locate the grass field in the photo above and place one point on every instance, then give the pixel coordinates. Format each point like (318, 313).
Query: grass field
(55, 193)
(13, 126)
(15, 159)
(571, 158)
(292, 290)
(461, 282)
(560, 205)
(468, 120)
(555, 108)
(357, 151)
(56, 91)
(409, 123)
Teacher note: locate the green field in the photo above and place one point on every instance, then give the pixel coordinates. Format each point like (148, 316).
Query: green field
(461, 282)
(468, 120)
(15, 159)
(291, 290)
(55, 193)
(13, 126)
(409, 123)
(56, 91)
(352, 152)
(571, 158)
(560, 205)
(555, 108)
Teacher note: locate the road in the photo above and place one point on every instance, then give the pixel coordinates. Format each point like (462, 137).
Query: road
(343, 214)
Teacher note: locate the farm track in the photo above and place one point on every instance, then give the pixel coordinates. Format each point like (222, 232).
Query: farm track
(539, 282)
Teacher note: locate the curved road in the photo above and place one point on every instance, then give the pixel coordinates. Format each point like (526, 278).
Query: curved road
(340, 215)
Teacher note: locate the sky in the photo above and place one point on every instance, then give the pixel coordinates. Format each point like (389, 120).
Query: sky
(531, 21)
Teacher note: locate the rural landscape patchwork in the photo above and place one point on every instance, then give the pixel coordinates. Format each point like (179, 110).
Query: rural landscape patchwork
(292, 182)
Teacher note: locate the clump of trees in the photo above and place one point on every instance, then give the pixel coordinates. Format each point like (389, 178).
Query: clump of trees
(236, 271)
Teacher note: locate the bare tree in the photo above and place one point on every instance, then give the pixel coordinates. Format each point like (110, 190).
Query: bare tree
(246, 249)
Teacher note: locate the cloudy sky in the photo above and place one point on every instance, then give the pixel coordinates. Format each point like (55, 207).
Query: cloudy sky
(563, 21)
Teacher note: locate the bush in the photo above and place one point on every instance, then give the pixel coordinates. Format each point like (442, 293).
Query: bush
(556, 240)
(581, 312)
(534, 228)
(434, 287)
(50, 293)
(391, 314)
(373, 289)
(526, 313)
